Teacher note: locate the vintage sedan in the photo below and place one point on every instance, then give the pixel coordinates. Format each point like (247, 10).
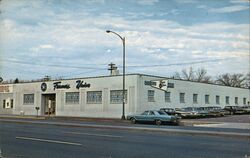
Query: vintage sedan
(154, 116)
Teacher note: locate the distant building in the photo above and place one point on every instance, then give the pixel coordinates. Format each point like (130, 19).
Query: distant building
(102, 96)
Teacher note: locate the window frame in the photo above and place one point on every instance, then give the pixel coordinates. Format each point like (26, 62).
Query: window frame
(118, 97)
(182, 99)
(236, 100)
(151, 96)
(207, 99)
(95, 97)
(30, 101)
(217, 99)
(195, 99)
(167, 97)
(73, 99)
(244, 101)
(227, 99)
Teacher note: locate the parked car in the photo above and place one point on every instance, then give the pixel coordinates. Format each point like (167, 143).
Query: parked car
(154, 116)
(234, 109)
(216, 111)
(186, 112)
(246, 109)
(202, 111)
(169, 111)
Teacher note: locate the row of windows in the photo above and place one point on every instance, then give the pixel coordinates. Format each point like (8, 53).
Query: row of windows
(116, 97)
(207, 98)
(95, 97)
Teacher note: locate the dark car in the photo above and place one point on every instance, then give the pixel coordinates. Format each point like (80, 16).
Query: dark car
(153, 116)
(169, 111)
(234, 109)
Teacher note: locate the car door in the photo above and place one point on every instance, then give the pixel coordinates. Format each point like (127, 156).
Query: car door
(143, 116)
(151, 116)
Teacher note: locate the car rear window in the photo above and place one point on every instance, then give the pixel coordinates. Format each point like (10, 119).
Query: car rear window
(162, 113)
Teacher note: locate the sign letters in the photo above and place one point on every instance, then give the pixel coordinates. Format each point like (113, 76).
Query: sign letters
(80, 84)
(58, 85)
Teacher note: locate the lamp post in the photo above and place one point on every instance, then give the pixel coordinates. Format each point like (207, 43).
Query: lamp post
(123, 75)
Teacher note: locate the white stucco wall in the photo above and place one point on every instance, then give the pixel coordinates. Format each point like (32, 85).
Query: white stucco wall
(189, 88)
(137, 94)
(83, 109)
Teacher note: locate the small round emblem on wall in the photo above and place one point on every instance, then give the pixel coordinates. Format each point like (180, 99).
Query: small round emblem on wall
(43, 86)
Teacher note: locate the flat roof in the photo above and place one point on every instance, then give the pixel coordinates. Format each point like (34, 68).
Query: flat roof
(138, 74)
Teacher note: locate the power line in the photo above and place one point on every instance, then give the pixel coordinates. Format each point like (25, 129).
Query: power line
(51, 65)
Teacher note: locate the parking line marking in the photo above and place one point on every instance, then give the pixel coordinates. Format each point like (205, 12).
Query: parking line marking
(49, 141)
(98, 135)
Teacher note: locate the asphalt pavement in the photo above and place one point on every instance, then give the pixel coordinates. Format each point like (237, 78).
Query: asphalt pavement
(29, 140)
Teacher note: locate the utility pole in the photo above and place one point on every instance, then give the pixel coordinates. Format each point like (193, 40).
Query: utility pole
(112, 68)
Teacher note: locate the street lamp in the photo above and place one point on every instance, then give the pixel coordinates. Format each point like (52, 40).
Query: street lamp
(123, 83)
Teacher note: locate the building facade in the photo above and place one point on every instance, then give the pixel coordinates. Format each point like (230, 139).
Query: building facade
(102, 96)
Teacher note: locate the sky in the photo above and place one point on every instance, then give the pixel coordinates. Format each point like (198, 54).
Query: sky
(68, 39)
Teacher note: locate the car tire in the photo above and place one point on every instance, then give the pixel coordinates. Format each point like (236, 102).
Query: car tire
(133, 120)
(158, 122)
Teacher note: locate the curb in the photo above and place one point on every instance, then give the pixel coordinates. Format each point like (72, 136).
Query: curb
(172, 131)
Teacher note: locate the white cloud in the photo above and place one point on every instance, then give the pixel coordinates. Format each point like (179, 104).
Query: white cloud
(229, 9)
(186, 1)
(75, 36)
(147, 2)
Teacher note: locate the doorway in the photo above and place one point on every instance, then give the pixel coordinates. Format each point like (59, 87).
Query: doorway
(49, 104)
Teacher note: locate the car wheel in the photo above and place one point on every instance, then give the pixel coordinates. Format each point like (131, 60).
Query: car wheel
(158, 122)
(133, 120)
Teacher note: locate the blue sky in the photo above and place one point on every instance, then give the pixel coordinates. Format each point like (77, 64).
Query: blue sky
(63, 38)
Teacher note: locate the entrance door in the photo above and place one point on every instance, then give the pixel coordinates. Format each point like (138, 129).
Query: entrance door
(49, 104)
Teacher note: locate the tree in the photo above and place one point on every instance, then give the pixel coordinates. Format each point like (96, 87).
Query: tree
(247, 81)
(233, 80)
(16, 80)
(199, 75)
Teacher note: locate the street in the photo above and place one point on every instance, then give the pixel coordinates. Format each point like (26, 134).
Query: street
(39, 141)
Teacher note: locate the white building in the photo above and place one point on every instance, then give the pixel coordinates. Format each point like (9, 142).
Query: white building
(102, 96)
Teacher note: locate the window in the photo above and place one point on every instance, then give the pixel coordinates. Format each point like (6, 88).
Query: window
(72, 97)
(151, 113)
(217, 99)
(116, 96)
(236, 100)
(195, 98)
(244, 101)
(182, 97)
(167, 97)
(145, 113)
(227, 99)
(28, 99)
(206, 99)
(151, 95)
(11, 103)
(94, 97)
(170, 85)
(4, 104)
